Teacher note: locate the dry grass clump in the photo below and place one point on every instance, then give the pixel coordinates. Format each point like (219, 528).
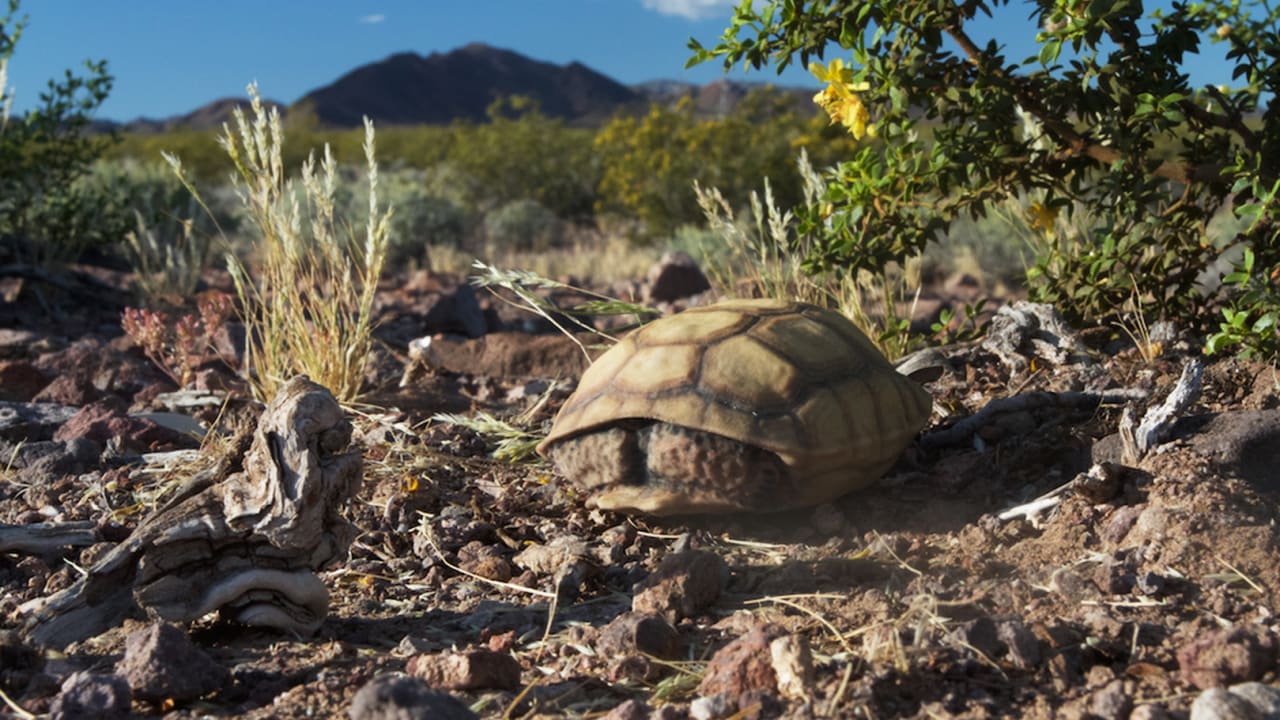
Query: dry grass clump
(308, 306)
(762, 259)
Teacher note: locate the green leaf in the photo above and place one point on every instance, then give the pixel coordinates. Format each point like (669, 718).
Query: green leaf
(1049, 53)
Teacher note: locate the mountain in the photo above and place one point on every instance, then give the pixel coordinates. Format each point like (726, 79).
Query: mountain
(409, 89)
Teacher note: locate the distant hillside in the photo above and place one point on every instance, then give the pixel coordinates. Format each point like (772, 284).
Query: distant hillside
(409, 89)
(205, 117)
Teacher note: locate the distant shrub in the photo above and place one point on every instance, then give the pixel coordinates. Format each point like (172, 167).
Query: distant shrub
(522, 154)
(45, 214)
(169, 238)
(522, 225)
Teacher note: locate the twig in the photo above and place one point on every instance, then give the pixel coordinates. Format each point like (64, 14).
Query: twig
(1243, 577)
(430, 535)
(811, 613)
(15, 707)
(840, 690)
(963, 430)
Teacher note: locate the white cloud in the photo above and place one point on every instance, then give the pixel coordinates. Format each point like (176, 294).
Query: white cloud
(372, 19)
(692, 9)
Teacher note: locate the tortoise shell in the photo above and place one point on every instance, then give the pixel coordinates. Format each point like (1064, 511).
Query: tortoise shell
(742, 405)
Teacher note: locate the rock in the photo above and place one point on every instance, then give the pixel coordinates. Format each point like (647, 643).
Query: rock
(673, 277)
(1219, 704)
(228, 343)
(511, 355)
(981, 635)
(72, 389)
(107, 420)
(31, 422)
(744, 665)
(1150, 712)
(713, 707)
(473, 669)
(1021, 645)
(629, 710)
(484, 560)
(50, 459)
(455, 312)
(88, 696)
(1264, 697)
(395, 696)
(1223, 657)
(1241, 443)
(1112, 702)
(793, 664)
(20, 380)
(161, 663)
(565, 559)
(683, 585)
(1121, 522)
(632, 633)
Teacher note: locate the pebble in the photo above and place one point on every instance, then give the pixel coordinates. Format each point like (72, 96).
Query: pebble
(395, 696)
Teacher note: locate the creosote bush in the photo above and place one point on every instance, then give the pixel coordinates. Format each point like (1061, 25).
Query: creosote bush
(1103, 118)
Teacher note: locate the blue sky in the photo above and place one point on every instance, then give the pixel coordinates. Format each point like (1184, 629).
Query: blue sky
(172, 56)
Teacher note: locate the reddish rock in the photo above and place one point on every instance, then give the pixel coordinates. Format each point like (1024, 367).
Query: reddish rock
(161, 663)
(69, 389)
(742, 666)
(629, 710)
(512, 355)
(1221, 657)
(20, 380)
(685, 584)
(468, 670)
(105, 420)
(632, 633)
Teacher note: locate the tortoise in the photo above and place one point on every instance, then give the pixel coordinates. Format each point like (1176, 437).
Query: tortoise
(742, 405)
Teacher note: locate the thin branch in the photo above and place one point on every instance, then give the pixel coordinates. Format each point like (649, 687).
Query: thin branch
(1075, 143)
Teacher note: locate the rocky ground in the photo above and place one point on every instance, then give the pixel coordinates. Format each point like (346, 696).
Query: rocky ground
(476, 587)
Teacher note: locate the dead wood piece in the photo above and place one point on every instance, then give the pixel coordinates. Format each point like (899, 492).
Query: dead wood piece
(963, 431)
(1158, 421)
(1032, 330)
(247, 544)
(45, 538)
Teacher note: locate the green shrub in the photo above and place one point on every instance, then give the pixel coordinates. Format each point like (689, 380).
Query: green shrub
(422, 220)
(1115, 139)
(522, 154)
(522, 225)
(46, 214)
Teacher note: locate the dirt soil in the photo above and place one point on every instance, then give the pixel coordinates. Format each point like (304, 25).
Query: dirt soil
(497, 582)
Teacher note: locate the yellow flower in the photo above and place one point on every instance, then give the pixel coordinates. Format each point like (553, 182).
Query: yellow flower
(835, 73)
(1042, 218)
(840, 98)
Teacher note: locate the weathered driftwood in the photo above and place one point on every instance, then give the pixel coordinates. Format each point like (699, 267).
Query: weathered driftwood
(1157, 423)
(963, 431)
(247, 545)
(1032, 330)
(45, 538)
